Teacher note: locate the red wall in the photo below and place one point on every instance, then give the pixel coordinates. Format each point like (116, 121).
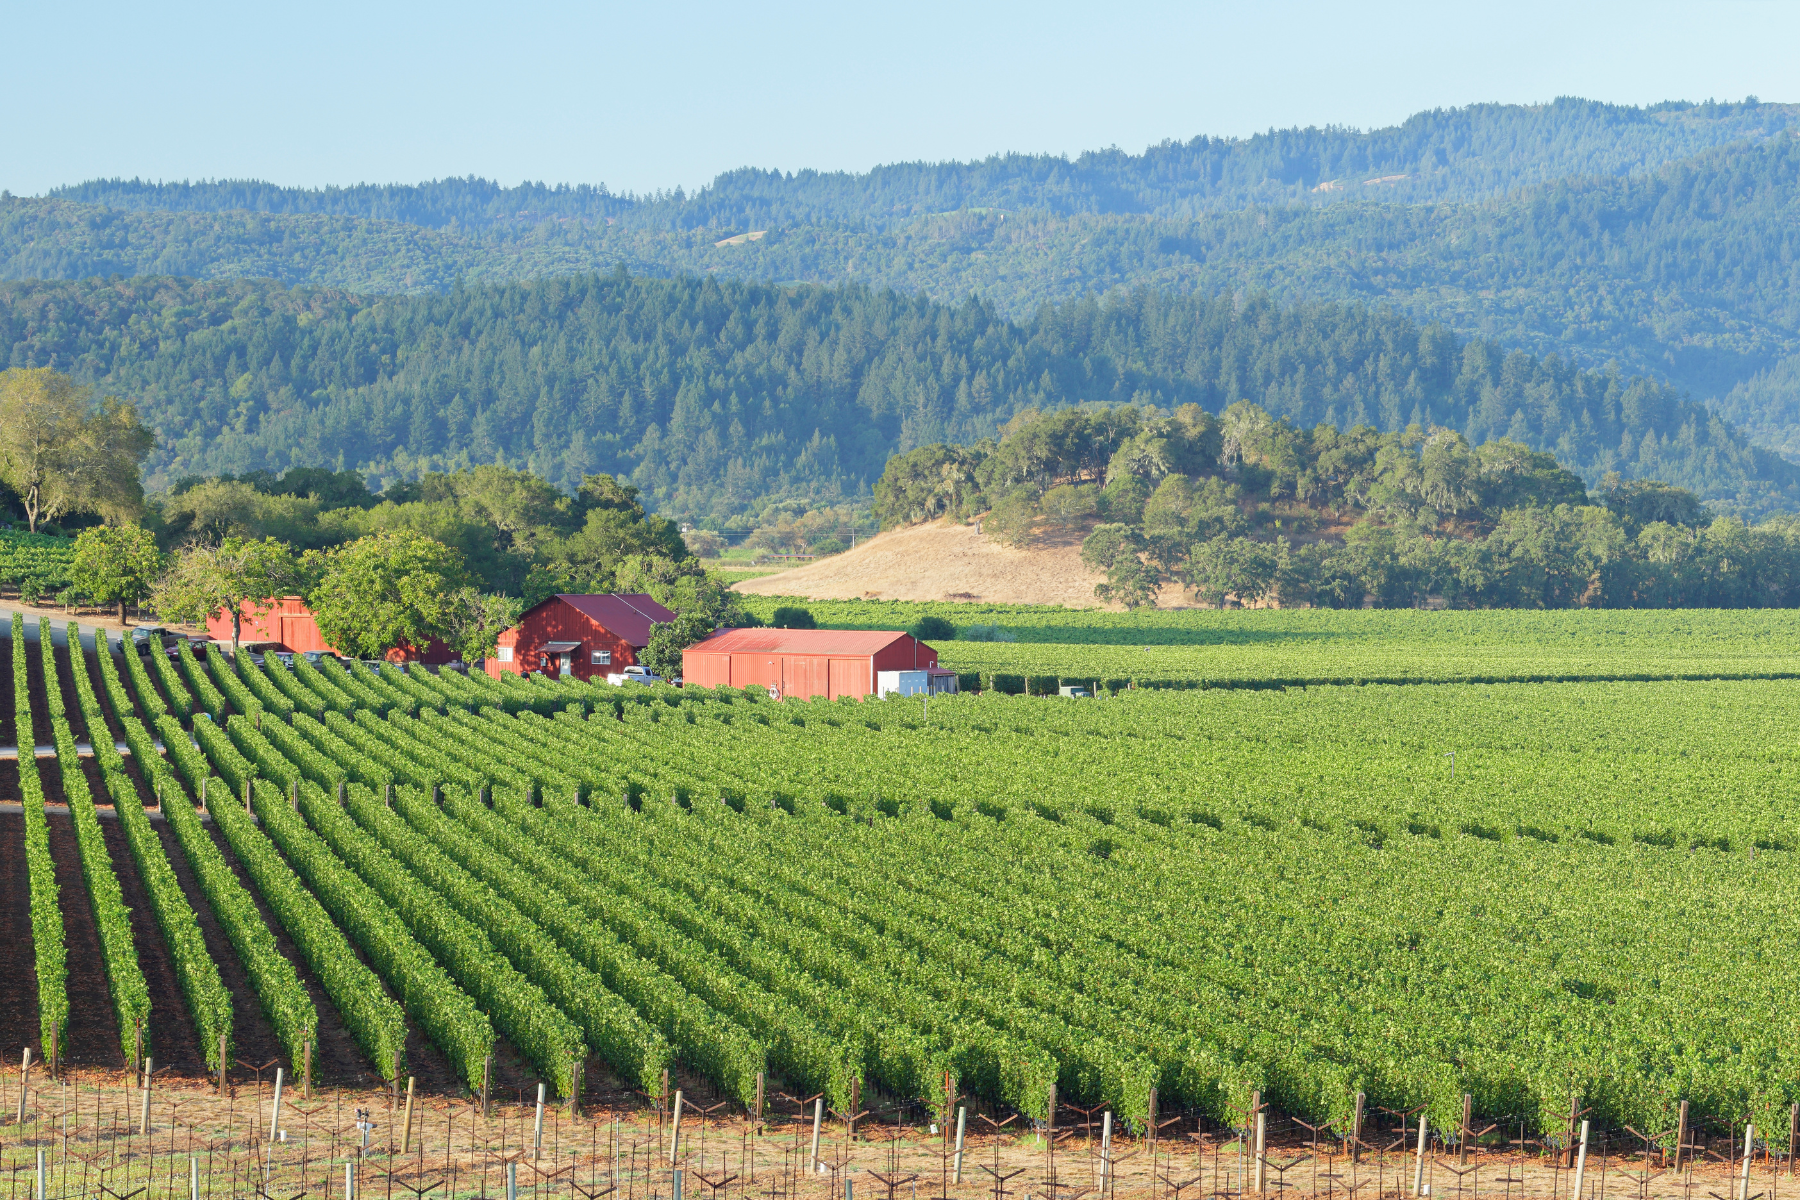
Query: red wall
(556, 621)
(289, 622)
(803, 676)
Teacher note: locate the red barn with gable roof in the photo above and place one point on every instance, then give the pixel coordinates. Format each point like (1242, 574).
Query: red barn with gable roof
(583, 636)
(801, 663)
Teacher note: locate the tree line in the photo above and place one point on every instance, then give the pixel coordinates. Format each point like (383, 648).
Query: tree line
(1456, 154)
(1247, 507)
(450, 556)
(721, 400)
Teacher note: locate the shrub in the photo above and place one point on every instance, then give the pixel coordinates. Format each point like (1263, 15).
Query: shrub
(933, 629)
(1008, 684)
(1040, 685)
(792, 616)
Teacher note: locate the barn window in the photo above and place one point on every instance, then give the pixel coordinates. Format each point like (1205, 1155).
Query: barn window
(602, 658)
(506, 654)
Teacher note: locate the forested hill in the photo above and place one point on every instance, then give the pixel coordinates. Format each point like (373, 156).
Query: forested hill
(720, 397)
(1445, 154)
(1685, 273)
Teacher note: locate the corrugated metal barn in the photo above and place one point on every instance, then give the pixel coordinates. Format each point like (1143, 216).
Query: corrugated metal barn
(802, 663)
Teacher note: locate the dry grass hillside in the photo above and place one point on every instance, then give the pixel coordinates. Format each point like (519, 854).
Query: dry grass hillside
(943, 561)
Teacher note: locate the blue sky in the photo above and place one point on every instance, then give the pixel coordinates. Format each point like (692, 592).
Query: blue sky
(645, 96)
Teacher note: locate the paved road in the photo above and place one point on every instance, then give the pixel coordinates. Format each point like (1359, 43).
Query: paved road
(59, 629)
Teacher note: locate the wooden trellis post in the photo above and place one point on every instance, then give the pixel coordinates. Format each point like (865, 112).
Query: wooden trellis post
(1580, 1160)
(1793, 1135)
(1419, 1160)
(24, 1083)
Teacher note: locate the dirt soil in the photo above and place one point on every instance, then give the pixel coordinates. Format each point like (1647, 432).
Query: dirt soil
(40, 705)
(18, 969)
(176, 1041)
(6, 685)
(87, 1118)
(93, 1027)
(940, 560)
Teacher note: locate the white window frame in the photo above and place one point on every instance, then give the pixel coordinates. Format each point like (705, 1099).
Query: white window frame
(506, 653)
(600, 658)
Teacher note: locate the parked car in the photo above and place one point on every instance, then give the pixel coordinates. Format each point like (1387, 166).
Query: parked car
(1074, 691)
(258, 651)
(316, 656)
(145, 636)
(633, 674)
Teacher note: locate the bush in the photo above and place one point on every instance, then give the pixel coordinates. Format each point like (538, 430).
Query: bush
(968, 681)
(790, 616)
(933, 629)
(828, 547)
(1005, 683)
(1040, 685)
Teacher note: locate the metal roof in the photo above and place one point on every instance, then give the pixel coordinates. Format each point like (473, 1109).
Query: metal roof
(560, 647)
(628, 616)
(858, 643)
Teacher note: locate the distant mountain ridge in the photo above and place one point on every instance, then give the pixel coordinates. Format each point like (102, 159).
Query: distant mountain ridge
(1452, 154)
(1685, 272)
(1665, 240)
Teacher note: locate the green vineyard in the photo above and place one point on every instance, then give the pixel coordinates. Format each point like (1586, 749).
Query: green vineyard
(34, 564)
(1163, 899)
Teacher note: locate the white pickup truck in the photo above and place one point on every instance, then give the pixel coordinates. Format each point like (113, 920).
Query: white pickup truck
(633, 674)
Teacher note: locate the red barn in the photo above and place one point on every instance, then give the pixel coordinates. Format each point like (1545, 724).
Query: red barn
(287, 620)
(581, 636)
(801, 663)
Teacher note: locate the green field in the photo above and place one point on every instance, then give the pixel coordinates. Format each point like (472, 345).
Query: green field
(36, 563)
(1185, 646)
(1209, 893)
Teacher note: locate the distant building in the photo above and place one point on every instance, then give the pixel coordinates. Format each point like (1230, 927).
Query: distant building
(287, 621)
(583, 636)
(802, 663)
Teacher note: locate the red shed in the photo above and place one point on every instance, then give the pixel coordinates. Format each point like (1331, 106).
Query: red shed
(581, 636)
(802, 663)
(287, 620)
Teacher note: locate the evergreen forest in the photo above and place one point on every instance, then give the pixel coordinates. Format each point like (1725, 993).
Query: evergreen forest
(720, 399)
